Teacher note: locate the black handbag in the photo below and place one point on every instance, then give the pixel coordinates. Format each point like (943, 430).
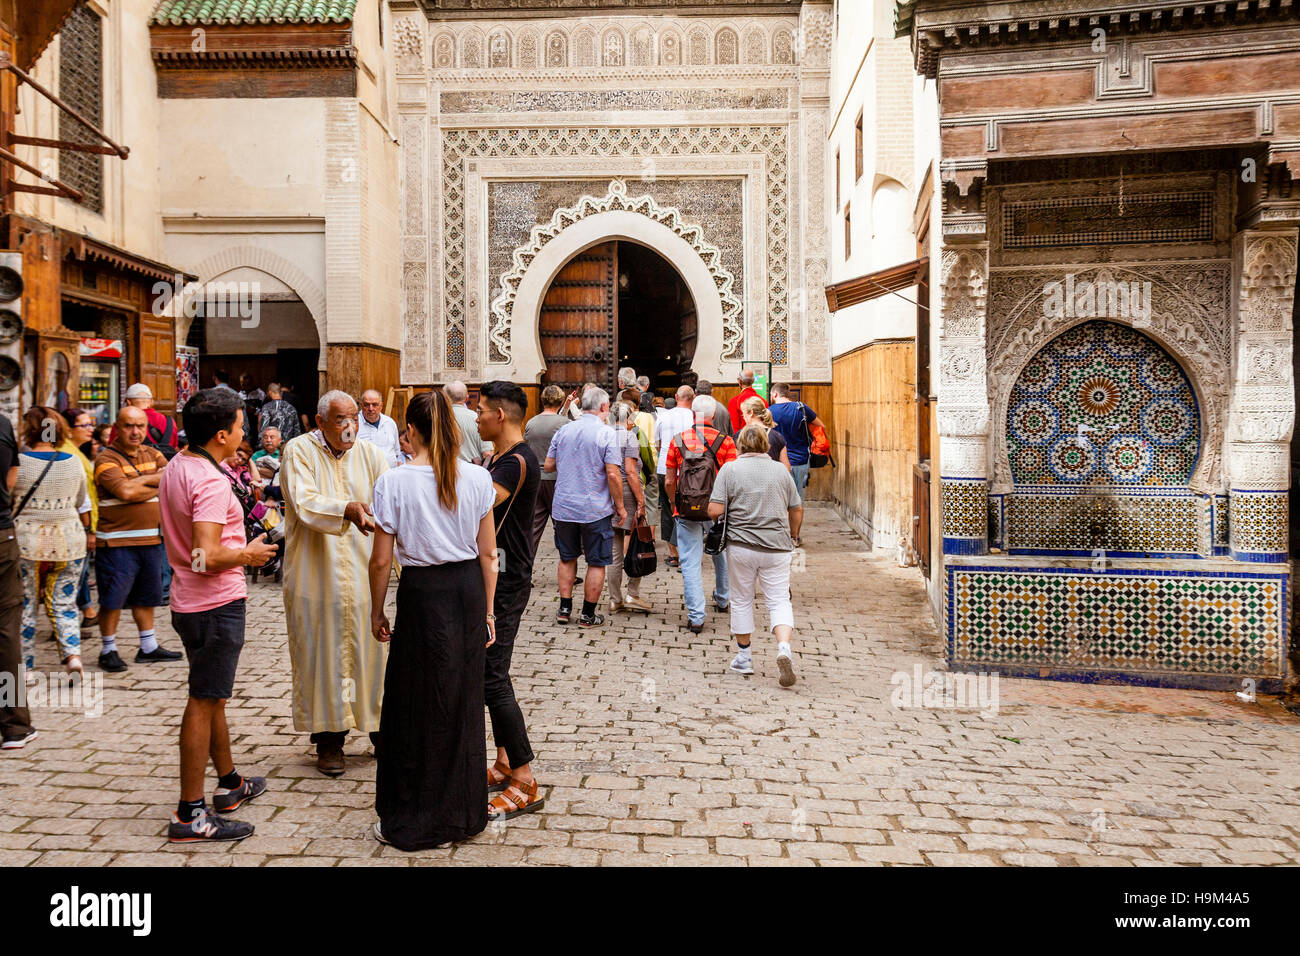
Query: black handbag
(641, 559)
(715, 539)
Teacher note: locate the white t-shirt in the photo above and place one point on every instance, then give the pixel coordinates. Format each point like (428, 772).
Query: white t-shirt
(672, 422)
(406, 505)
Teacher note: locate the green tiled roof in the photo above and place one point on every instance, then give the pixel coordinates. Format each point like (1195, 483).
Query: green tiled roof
(207, 12)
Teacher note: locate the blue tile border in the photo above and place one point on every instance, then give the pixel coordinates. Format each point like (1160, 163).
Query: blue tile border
(1051, 552)
(1259, 557)
(965, 546)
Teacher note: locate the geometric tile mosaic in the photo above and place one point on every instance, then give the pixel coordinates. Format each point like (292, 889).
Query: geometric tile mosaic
(964, 509)
(1086, 522)
(1148, 623)
(1103, 404)
(1260, 523)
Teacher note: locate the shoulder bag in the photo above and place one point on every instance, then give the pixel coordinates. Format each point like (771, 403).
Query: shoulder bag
(523, 473)
(641, 559)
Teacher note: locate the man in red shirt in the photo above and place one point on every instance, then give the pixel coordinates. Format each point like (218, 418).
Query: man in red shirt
(746, 383)
(703, 439)
(162, 430)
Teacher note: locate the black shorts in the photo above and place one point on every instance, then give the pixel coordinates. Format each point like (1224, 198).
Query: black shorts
(130, 576)
(595, 539)
(213, 640)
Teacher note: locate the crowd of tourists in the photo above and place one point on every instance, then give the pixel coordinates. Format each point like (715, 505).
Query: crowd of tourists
(455, 502)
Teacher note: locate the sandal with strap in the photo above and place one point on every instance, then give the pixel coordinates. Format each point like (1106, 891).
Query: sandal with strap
(498, 777)
(517, 798)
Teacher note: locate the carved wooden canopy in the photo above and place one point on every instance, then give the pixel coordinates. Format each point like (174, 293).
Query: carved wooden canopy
(939, 25)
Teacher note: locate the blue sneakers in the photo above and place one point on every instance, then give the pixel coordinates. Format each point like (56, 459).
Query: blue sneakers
(227, 801)
(206, 826)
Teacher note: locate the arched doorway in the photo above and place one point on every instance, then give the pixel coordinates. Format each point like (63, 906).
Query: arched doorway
(614, 304)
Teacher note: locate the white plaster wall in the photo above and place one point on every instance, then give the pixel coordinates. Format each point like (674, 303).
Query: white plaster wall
(130, 117)
(243, 157)
(305, 189)
(868, 79)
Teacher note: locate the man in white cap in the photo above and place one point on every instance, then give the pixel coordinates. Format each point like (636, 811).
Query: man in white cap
(162, 430)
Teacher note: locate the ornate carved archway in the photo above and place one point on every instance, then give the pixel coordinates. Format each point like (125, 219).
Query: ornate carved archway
(616, 216)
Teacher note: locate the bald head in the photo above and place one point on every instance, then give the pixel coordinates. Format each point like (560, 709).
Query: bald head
(132, 426)
(372, 406)
(456, 392)
(685, 395)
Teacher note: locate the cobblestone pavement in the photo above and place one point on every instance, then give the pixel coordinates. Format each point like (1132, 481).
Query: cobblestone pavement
(654, 753)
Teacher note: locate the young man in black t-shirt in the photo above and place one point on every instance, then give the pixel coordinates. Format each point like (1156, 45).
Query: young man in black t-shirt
(516, 474)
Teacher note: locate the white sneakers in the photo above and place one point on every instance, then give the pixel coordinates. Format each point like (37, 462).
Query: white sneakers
(743, 663)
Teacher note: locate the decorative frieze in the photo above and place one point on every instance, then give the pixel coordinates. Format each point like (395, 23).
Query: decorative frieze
(559, 100)
(628, 43)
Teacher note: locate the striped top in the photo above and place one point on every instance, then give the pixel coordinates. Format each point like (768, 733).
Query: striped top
(49, 528)
(123, 523)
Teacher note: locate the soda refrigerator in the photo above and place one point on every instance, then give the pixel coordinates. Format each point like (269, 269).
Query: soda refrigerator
(98, 392)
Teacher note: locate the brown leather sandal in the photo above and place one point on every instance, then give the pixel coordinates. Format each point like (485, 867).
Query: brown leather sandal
(498, 777)
(517, 798)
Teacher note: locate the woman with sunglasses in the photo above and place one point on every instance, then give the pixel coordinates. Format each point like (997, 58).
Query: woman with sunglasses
(80, 445)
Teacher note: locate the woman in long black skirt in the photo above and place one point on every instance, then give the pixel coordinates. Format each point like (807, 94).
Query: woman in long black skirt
(437, 512)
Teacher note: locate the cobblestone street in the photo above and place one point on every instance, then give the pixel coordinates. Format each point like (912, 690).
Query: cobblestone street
(655, 754)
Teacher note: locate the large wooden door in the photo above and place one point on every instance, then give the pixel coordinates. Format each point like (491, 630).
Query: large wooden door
(579, 321)
(156, 355)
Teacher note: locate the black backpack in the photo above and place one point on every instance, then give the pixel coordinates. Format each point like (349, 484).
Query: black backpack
(161, 441)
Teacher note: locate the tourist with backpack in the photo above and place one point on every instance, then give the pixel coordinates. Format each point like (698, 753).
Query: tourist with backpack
(796, 422)
(691, 467)
(161, 434)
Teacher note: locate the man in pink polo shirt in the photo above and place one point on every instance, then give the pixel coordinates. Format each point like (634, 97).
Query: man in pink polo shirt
(203, 528)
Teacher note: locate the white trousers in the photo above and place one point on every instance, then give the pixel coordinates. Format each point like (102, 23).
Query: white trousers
(769, 571)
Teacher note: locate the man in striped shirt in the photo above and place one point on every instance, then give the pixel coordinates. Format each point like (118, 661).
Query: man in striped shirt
(129, 551)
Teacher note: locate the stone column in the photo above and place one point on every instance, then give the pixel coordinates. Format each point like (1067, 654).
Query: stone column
(419, 353)
(809, 333)
(963, 410)
(1262, 410)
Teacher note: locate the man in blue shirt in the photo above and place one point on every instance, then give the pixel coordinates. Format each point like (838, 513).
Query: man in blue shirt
(794, 421)
(586, 458)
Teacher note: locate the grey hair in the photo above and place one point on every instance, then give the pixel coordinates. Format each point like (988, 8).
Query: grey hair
(704, 406)
(329, 398)
(372, 391)
(703, 387)
(626, 377)
(685, 395)
(593, 399)
(456, 391)
(746, 377)
(643, 383)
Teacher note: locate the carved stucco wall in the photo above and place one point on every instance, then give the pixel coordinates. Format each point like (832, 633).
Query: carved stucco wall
(516, 208)
(676, 103)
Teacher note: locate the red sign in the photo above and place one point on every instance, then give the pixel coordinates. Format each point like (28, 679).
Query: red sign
(100, 348)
